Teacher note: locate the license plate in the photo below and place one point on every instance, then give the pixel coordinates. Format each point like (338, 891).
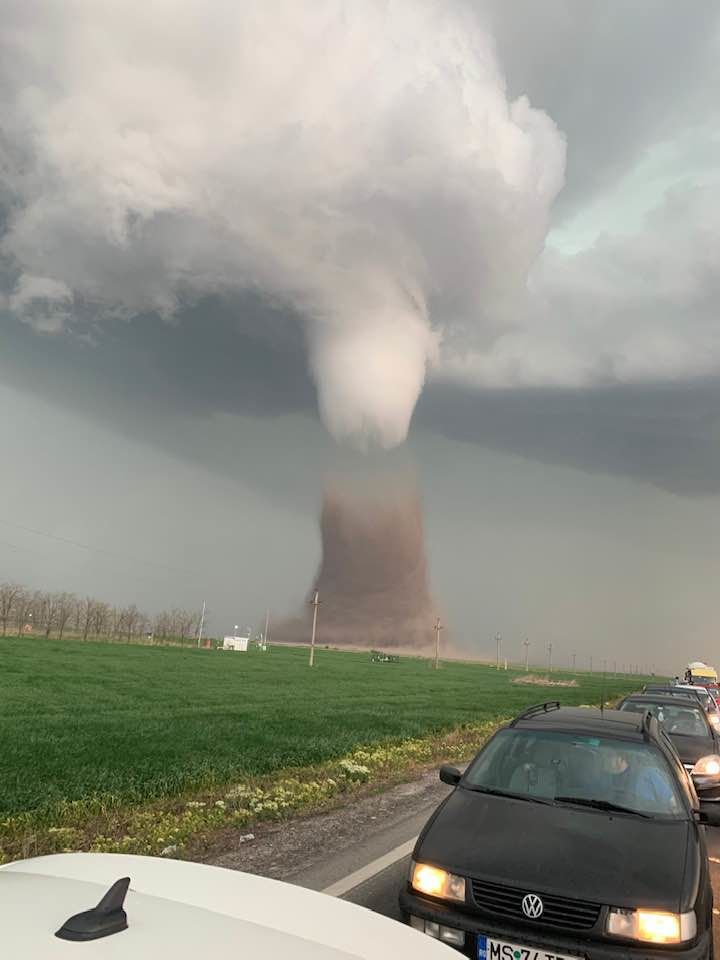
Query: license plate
(488, 948)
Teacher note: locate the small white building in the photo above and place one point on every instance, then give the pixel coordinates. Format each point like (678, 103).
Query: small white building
(236, 643)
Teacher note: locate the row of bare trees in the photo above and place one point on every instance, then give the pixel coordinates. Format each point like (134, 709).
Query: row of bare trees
(64, 614)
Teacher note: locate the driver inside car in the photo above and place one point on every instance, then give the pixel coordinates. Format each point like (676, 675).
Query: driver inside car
(645, 788)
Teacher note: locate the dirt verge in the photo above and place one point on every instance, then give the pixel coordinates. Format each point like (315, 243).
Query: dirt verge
(533, 679)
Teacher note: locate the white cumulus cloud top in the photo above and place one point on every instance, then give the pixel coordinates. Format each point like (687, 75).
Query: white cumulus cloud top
(358, 162)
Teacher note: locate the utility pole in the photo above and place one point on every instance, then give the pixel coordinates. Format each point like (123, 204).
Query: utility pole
(497, 641)
(202, 623)
(614, 668)
(438, 628)
(315, 603)
(550, 657)
(573, 661)
(267, 624)
(591, 670)
(526, 644)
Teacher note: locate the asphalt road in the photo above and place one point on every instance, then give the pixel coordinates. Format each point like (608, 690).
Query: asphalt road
(380, 893)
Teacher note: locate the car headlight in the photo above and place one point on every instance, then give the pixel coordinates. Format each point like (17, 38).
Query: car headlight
(651, 926)
(707, 766)
(436, 882)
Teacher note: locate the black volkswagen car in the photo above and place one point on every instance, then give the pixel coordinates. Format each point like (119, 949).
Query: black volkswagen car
(694, 738)
(574, 832)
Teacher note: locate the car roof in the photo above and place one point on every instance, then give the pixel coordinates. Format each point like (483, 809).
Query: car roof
(664, 698)
(186, 910)
(612, 723)
(678, 691)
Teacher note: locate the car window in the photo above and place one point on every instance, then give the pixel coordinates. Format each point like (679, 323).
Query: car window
(681, 718)
(707, 702)
(548, 764)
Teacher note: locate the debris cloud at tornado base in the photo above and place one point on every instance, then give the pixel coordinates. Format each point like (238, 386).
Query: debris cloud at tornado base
(373, 579)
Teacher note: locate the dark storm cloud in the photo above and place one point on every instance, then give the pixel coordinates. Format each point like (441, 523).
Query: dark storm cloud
(616, 77)
(666, 435)
(253, 363)
(141, 377)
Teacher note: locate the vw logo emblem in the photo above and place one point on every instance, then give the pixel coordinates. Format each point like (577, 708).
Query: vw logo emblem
(532, 906)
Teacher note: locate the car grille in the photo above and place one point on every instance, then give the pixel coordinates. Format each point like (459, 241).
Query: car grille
(504, 901)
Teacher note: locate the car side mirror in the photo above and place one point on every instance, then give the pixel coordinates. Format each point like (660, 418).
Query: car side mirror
(706, 787)
(710, 814)
(450, 775)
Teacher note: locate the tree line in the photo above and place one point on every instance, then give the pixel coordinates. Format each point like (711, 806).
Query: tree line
(24, 611)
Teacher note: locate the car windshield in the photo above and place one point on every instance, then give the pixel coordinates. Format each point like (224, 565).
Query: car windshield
(561, 767)
(689, 693)
(702, 695)
(681, 718)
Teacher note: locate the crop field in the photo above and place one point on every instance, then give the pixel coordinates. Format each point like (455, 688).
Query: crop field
(139, 723)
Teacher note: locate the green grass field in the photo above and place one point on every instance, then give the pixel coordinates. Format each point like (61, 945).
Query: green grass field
(81, 719)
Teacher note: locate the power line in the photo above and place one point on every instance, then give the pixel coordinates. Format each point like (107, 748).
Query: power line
(79, 566)
(86, 546)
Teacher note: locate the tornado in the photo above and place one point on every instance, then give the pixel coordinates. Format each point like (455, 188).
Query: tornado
(373, 579)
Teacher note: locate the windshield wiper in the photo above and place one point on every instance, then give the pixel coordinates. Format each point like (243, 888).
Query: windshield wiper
(602, 805)
(505, 793)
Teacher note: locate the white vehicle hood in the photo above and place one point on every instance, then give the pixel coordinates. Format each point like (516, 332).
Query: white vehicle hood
(190, 911)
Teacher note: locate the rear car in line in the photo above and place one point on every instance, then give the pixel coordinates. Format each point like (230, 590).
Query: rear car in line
(693, 736)
(704, 696)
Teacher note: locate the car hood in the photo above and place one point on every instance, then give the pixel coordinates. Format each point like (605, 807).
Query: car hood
(187, 910)
(591, 855)
(690, 749)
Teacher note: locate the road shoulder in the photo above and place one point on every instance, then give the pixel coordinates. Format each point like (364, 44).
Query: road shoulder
(321, 850)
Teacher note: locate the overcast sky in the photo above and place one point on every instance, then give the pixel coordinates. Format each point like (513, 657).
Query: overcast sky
(244, 248)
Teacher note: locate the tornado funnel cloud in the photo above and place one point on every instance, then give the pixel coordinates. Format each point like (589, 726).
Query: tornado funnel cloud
(373, 579)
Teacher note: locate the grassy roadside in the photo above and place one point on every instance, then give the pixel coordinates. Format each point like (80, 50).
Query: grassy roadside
(184, 826)
(155, 750)
(140, 724)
